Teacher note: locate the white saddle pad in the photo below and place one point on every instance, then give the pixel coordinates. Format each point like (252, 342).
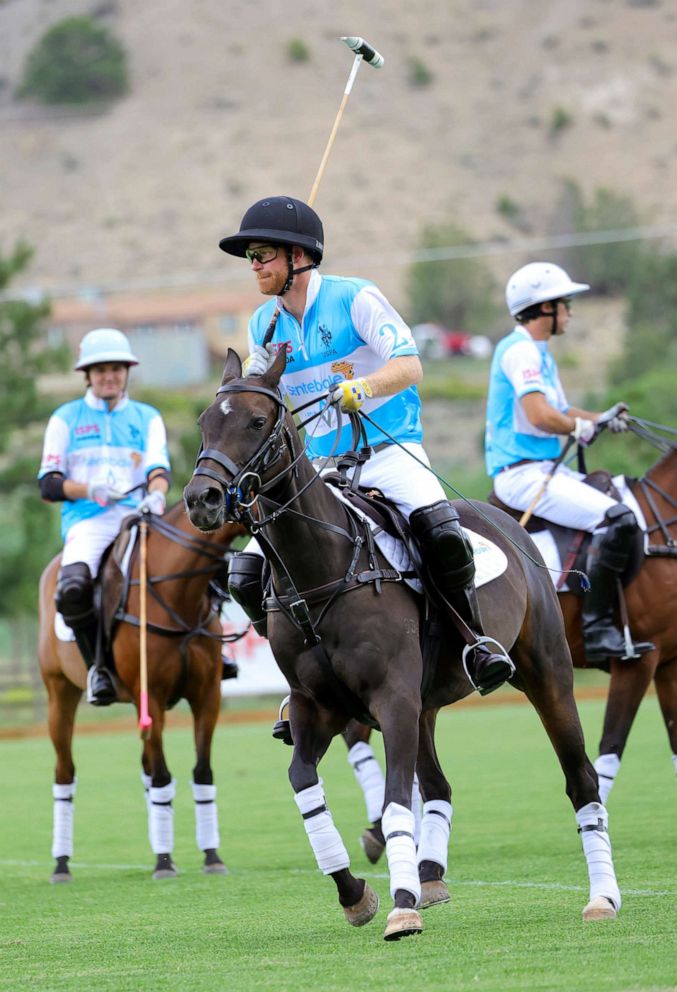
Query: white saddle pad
(490, 561)
(61, 629)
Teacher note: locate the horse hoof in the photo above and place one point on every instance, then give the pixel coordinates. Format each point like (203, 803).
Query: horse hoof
(600, 908)
(59, 877)
(165, 868)
(363, 911)
(434, 893)
(402, 923)
(371, 846)
(216, 868)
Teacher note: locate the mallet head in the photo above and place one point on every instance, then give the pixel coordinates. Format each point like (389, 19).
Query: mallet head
(363, 48)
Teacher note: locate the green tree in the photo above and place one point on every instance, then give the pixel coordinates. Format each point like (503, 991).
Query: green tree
(76, 61)
(459, 293)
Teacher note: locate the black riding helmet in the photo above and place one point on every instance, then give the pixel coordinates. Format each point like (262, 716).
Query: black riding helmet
(280, 220)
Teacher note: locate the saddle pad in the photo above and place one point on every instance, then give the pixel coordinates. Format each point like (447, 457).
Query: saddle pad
(61, 629)
(490, 561)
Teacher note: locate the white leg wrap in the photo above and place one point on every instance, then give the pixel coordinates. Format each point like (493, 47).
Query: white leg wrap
(593, 826)
(64, 812)
(370, 778)
(435, 830)
(606, 766)
(161, 818)
(417, 809)
(206, 817)
(398, 829)
(325, 840)
(674, 762)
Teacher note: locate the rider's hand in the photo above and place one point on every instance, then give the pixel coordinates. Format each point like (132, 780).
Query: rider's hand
(350, 394)
(259, 361)
(154, 502)
(614, 419)
(584, 430)
(103, 493)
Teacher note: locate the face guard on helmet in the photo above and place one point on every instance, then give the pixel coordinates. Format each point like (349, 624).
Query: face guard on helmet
(279, 220)
(104, 345)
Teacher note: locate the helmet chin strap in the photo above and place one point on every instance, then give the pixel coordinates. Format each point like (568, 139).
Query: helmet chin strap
(291, 272)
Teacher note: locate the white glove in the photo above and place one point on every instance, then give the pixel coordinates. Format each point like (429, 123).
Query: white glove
(103, 493)
(259, 361)
(350, 394)
(614, 418)
(584, 431)
(154, 502)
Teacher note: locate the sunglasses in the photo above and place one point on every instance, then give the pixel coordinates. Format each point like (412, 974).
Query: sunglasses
(262, 254)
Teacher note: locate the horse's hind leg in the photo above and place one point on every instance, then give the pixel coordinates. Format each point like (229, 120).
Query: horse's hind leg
(666, 689)
(63, 699)
(550, 688)
(369, 776)
(437, 812)
(627, 688)
(312, 731)
(205, 715)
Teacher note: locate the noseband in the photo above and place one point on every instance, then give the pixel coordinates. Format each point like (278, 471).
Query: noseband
(267, 455)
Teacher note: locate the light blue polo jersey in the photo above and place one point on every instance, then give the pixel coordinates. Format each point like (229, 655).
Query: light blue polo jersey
(519, 366)
(87, 442)
(348, 331)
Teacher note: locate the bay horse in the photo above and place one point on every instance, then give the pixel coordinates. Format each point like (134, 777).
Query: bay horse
(650, 600)
(346, 638)
(184, 661)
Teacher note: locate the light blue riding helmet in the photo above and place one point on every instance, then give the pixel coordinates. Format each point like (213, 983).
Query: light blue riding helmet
(104, 345)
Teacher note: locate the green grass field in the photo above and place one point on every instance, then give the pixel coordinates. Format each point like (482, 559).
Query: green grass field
(516, 871)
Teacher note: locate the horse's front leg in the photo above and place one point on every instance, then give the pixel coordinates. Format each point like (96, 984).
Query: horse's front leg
(312, 730)
(160, 790)
(63, 702)
(205, 702)
(398, 718)
(437, 812)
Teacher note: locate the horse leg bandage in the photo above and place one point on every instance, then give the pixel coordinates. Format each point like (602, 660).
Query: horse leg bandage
(64, 812)
(435, 830)
(593, 826)
(398, 829)
(369, 777)
(146, 781)
(325, 840)
(161, 818)
(417, 809)
(206, 817)
(606, 766)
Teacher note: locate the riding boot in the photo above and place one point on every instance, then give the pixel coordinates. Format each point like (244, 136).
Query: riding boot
(229, 668)
(245, 585)
(608, 557)
(448, 559)
(75, 601)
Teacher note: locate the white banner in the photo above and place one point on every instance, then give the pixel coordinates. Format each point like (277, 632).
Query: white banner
(259, 674)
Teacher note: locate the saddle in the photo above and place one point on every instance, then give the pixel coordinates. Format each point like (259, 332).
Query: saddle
(572, 544)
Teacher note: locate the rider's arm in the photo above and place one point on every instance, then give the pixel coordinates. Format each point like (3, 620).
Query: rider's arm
(546, 418)
(396, 375)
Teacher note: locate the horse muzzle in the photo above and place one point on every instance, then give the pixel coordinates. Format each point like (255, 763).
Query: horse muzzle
(205, 504)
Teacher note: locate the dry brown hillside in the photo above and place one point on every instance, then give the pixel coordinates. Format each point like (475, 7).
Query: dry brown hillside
(218, 115)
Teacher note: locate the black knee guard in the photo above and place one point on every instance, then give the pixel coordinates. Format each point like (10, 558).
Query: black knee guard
(614, 547)
(245, 585)
(75, 593)
(447, 552)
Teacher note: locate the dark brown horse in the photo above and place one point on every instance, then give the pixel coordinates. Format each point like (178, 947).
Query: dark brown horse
(651, 600)
(346, 638)
(184, 661)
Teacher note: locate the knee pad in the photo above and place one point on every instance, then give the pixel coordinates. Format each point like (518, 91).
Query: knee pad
(75, 590)
(438, 530)
(621, 517)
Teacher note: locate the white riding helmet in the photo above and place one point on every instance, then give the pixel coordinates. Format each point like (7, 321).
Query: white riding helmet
(539, 282)
(104, 345)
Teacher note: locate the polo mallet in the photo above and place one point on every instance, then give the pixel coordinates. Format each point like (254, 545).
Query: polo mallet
(526, 516)
(363, 52)
(145, 720)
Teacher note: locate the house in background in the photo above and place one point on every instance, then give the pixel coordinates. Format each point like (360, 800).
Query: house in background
(176, 336)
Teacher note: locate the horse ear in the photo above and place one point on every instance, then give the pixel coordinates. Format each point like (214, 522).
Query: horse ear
(233, 367)
(272, 376)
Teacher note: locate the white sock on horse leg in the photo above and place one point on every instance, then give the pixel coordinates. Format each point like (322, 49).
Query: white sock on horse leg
(161, 818)
(325, 840)
(206, 817)
(398, 829)
(369, 777)
(64, 812)
(606, 766)
(593, 826)
(146, 781)
(417, 809)
(435, 830)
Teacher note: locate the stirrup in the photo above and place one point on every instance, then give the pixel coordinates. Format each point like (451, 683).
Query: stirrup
(282, 727)
(502, 653)
(105, 694)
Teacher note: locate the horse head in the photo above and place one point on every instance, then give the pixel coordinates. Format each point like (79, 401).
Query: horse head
(245, 443)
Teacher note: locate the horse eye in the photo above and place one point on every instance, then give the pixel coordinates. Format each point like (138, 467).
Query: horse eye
(258, 423)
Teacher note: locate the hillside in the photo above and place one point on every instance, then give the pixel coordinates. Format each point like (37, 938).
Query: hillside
(218, 115)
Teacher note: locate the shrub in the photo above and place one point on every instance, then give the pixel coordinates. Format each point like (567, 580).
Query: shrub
(419, 74)
(560, 120)
(297, 50)
(76, 61)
